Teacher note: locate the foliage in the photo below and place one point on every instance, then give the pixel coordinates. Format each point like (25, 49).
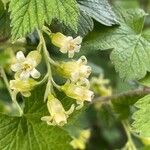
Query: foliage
(141, 117)
(52, 97)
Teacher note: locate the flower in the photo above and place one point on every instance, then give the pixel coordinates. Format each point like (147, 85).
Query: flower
(101, 86)
(80, 142)
(75, 70)
(66, 43)
(24, 67)
(80, 93)
(58, 116)
(22, 86)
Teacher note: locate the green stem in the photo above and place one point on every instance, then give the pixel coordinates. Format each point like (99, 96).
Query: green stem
(13, 95)
(48, 61)
(56, 85)
(129, 136)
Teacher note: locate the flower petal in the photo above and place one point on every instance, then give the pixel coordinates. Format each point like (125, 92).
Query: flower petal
(24, 75)
(35, 74)
(26, 94)
(34, 56)
(63, 49)
(15, 67)
(20, 56)
(78, 40)
(77, 48)
(70, 54)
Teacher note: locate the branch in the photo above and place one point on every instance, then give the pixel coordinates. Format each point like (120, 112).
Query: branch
(140, 92)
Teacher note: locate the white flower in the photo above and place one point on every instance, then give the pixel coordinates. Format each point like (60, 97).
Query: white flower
(66, 43)
(75, 70)
(79, 93)
(58, 116)
(25, 66)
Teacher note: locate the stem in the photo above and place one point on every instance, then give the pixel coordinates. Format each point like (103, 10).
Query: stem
(129, 136)
(46, 55)
(140, 92)
(47, 30)
(56, 85)
(13, 95)
(48, 62)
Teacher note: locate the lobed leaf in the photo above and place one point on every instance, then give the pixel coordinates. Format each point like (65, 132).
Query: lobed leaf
(27, 15)
(131, 49)
(100, 10)
(28, 131)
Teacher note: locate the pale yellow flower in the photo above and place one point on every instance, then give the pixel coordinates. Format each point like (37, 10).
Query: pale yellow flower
(58, 115)
(22, 86)
(75, 70)
(79, 93)
(100, 86)
(66, 43)
(25, 66)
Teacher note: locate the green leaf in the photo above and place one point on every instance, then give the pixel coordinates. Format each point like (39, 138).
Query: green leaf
(100, 10)
(131, 50)
(4, 23)
(146, 80)
(27, 15)
(123, 104)
(28, 131)
(141, 117)
(85, 24)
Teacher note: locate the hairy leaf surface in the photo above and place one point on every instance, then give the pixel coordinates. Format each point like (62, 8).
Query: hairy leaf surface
(100, 10)
(27, 15)
(28, 131)
(131, 50)
(141, 117)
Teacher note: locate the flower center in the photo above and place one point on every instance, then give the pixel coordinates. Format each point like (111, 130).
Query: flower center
(27, 67)
(72, 46)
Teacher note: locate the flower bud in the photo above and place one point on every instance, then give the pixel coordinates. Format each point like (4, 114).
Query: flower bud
(58, 116)
(66, 43)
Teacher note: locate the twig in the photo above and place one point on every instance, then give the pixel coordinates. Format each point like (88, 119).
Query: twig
(137, 92)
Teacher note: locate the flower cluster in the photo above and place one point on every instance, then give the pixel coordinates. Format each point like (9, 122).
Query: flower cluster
(76, 73)
(24, 67)
(77, 84)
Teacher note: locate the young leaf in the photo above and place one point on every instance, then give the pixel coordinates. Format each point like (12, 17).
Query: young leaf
(131, 50)
(27, 15)
(28, 131)
(141, 117)
(100, 10)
